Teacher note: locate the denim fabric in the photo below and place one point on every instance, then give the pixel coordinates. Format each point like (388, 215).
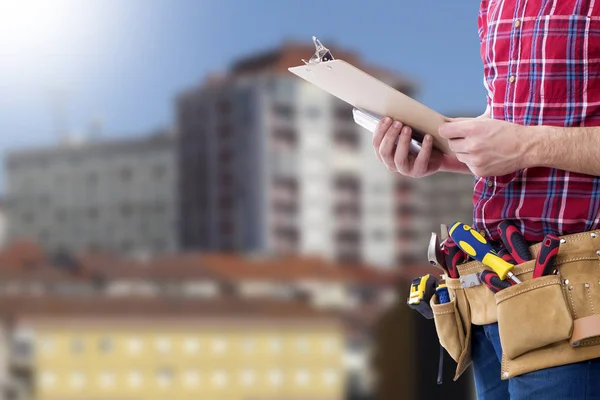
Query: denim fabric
(580, 381)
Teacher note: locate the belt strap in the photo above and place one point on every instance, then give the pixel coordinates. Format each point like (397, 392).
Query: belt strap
(585, 328)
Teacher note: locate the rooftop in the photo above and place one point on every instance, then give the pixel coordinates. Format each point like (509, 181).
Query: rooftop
(290, 54)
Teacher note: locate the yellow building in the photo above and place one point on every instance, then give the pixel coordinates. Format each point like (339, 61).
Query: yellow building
(146, 349)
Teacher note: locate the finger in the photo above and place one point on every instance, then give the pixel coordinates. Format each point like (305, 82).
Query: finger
(386, 149)
(401, 159)
(451, 130)
(380, 131)
(458, 146)
(422, 160)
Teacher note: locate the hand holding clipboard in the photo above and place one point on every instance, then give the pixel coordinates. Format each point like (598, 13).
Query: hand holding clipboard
(369, 94)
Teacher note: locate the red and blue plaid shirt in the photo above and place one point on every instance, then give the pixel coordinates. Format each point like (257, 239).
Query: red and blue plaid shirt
(541, 67)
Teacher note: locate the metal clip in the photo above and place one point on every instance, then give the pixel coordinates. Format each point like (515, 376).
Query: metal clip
(322, 53)
(434, 254)
(470, 280)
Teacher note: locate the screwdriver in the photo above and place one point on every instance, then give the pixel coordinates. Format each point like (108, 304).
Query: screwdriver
(443, 297)
(493, 281)
(505, 255)
(513, 240)
(544, 263)
(454, 256)
(475, 245)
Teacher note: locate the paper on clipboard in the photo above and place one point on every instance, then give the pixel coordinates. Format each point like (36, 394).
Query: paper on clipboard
(368, 93)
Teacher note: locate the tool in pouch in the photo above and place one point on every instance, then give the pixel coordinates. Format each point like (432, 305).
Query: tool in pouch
(475, 245)
(438, 256)
(514, 242)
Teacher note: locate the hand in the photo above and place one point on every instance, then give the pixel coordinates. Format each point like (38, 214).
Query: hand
(489, 147)
(397, 158)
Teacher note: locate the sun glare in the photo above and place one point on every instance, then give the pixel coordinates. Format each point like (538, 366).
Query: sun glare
(30, 27)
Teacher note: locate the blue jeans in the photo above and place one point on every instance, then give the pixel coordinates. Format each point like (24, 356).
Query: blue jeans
(580, 381)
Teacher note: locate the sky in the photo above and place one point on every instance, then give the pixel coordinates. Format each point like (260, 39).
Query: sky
(67, 63)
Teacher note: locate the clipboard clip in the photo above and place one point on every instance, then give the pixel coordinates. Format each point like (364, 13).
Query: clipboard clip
(322, 53)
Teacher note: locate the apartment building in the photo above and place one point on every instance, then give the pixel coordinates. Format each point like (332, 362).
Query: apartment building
(148, 349)
(112, 195)
(271, 164)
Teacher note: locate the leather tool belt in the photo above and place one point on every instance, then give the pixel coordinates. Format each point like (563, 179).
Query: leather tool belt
(543, 322)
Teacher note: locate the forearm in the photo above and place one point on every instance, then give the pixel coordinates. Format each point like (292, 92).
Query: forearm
(569, 149)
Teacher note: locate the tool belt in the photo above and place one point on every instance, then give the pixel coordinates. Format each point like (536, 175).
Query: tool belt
(543, 322)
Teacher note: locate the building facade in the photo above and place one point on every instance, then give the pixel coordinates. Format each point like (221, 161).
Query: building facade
(116, 195)
(176, 350)
(270, 163)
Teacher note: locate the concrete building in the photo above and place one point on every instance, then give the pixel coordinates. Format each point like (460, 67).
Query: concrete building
(114, 195)
(177, 349)
(270, 163)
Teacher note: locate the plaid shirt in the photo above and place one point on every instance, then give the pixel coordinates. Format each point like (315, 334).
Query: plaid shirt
(541, 67)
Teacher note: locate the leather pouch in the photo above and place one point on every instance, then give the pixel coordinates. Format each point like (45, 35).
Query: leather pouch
(461, 309)
(449, 327)
(532, 315)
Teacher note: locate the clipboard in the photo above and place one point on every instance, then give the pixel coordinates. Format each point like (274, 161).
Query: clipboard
(365, 92)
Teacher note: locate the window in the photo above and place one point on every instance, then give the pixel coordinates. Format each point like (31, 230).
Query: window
(191, 345)
(164, 377)
(224, 107)
(135, 345)
(283, 111)
(47, 346)
(48, 379)
(219, 378)
(248, 377)
(302, 345)
(163, 344)
(329, 345)
(302, 377)
(225, 132)
(77, 380)
(343, 111)
(191, 378)
(249, 345)
(406, 234)
(219, 346)
(313, 113)
(106, 345)
(379, 235)
(135, 379)
(347, 139)
(275, 377)
(275, 345)
(285, 137)
(76, 346)
(106, 379)
(23, 343)
(330, 377)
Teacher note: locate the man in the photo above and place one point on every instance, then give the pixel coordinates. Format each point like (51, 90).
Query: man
(535, 154)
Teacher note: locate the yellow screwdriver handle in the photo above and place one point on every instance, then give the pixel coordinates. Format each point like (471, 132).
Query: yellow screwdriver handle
(501, 267)
(475, 245)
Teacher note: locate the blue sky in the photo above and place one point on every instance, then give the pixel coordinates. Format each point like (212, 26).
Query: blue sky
(125, 60)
